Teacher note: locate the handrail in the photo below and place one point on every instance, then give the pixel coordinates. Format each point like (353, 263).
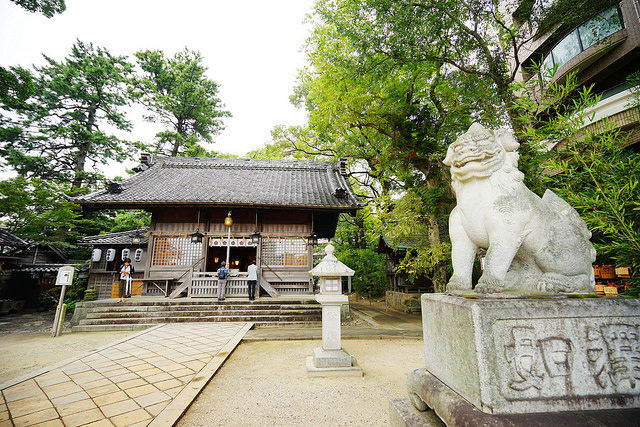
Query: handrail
(271, 270)
(190, 269)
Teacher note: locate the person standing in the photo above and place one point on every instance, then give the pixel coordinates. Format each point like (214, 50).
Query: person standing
(223, 273)
(252, 278)
(126, 271)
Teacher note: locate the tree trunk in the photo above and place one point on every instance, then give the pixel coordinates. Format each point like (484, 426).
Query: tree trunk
(440, 268)
(83, 149)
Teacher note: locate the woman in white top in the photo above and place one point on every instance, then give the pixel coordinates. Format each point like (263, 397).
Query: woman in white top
(126, 270)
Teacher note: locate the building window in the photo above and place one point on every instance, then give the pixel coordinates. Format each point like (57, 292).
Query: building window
(602, 25)
(168, 251)
(285, 252)
(583, 37)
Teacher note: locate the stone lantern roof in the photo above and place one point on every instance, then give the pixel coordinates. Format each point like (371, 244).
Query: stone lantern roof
(330, 266)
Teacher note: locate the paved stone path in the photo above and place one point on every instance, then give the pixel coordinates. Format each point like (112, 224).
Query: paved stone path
(149, 378)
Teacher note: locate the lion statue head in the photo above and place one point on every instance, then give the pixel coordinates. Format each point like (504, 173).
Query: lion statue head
(480, 152)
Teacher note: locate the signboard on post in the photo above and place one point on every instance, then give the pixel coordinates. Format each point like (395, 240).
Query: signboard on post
(64, 279)
(65, 276)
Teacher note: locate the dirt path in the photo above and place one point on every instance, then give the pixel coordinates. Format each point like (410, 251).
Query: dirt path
(265, 383)
(262, 383)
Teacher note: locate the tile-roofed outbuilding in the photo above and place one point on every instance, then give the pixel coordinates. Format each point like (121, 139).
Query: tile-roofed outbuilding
(203, 181)
(9, 239)
(118, 238)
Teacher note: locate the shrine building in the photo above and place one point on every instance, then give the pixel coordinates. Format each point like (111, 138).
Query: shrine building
(270, 212)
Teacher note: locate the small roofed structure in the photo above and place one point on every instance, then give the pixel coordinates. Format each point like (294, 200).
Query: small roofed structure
(9, 241)
(402, 294)
(274, 210)
(107, 253)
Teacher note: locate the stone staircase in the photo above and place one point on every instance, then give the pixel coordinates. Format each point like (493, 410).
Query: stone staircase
(106, 315)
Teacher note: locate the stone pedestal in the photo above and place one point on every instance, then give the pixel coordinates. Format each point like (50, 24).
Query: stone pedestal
(331, 316)
(535, 355)
(448, 408)
(331, 359)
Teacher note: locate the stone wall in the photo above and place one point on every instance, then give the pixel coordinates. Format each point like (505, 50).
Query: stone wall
(405, 302)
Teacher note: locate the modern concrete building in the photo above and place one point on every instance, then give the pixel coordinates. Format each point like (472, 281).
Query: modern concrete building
(603, 47)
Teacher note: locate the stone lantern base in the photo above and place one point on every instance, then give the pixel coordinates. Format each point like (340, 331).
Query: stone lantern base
(332, 363)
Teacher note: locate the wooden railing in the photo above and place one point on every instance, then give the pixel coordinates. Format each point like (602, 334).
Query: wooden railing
(206, 285)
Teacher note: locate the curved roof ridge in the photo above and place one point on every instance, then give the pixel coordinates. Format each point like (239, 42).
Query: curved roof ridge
(224, 181)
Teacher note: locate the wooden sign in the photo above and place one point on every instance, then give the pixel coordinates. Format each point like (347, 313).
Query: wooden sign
(65, 276)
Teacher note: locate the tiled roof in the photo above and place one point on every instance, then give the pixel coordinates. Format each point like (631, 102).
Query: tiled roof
(224, 181)
(119, 238)
(51, 268)
(8, 239)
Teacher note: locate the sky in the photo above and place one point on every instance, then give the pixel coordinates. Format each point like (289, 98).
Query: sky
(252, 48)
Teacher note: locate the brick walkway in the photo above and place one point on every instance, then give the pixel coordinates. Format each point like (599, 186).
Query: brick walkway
(149, 378)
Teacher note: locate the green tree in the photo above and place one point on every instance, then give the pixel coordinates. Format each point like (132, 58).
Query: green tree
(601, 180)
(47, 7)
(293, 142)
(16, 84)
(470, 37)
(35, 210)
(370, 271)
(180, 96)
(394, 115)
(407, 219)
(125, 220)
(590, 167)
(62, 125)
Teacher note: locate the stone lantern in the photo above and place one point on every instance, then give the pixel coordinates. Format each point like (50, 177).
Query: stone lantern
(331, 359)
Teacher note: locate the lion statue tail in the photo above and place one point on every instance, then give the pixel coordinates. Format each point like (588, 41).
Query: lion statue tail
(569, 215)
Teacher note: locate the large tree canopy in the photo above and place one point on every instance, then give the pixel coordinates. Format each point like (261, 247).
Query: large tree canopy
(392, 116)
(468, 36)
(181, 97)
(63, 124)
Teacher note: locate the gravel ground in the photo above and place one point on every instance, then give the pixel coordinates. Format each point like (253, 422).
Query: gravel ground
(266, 383)
(261, 383)
(26, 344)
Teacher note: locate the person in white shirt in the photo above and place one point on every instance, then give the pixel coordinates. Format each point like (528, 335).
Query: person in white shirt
(252, 278)
(126, 271)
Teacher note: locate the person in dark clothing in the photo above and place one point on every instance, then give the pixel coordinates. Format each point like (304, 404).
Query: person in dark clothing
(223, 273)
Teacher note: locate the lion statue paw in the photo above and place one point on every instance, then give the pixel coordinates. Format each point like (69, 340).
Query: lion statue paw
(553, 282)
(458, 284)
(488, 285)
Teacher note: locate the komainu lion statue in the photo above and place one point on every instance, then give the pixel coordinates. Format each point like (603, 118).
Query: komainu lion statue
(532, 243)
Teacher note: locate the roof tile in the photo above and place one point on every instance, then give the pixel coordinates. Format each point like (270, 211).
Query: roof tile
(201, 180)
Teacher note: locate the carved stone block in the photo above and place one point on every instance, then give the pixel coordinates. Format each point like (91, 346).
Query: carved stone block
(508, 356)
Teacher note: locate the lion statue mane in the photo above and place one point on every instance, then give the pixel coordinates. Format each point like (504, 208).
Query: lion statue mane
(533, 243)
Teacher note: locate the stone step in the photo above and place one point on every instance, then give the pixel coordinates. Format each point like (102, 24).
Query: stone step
(209, 301)
(208, 307)
(134, 324)
(153, 314)
(140, 326)
(136, 313)
(207, 318)
(114, 327)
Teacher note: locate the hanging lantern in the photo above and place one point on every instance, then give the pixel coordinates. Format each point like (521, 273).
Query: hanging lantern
(312, 240)
(255, 238)
(196, 237)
